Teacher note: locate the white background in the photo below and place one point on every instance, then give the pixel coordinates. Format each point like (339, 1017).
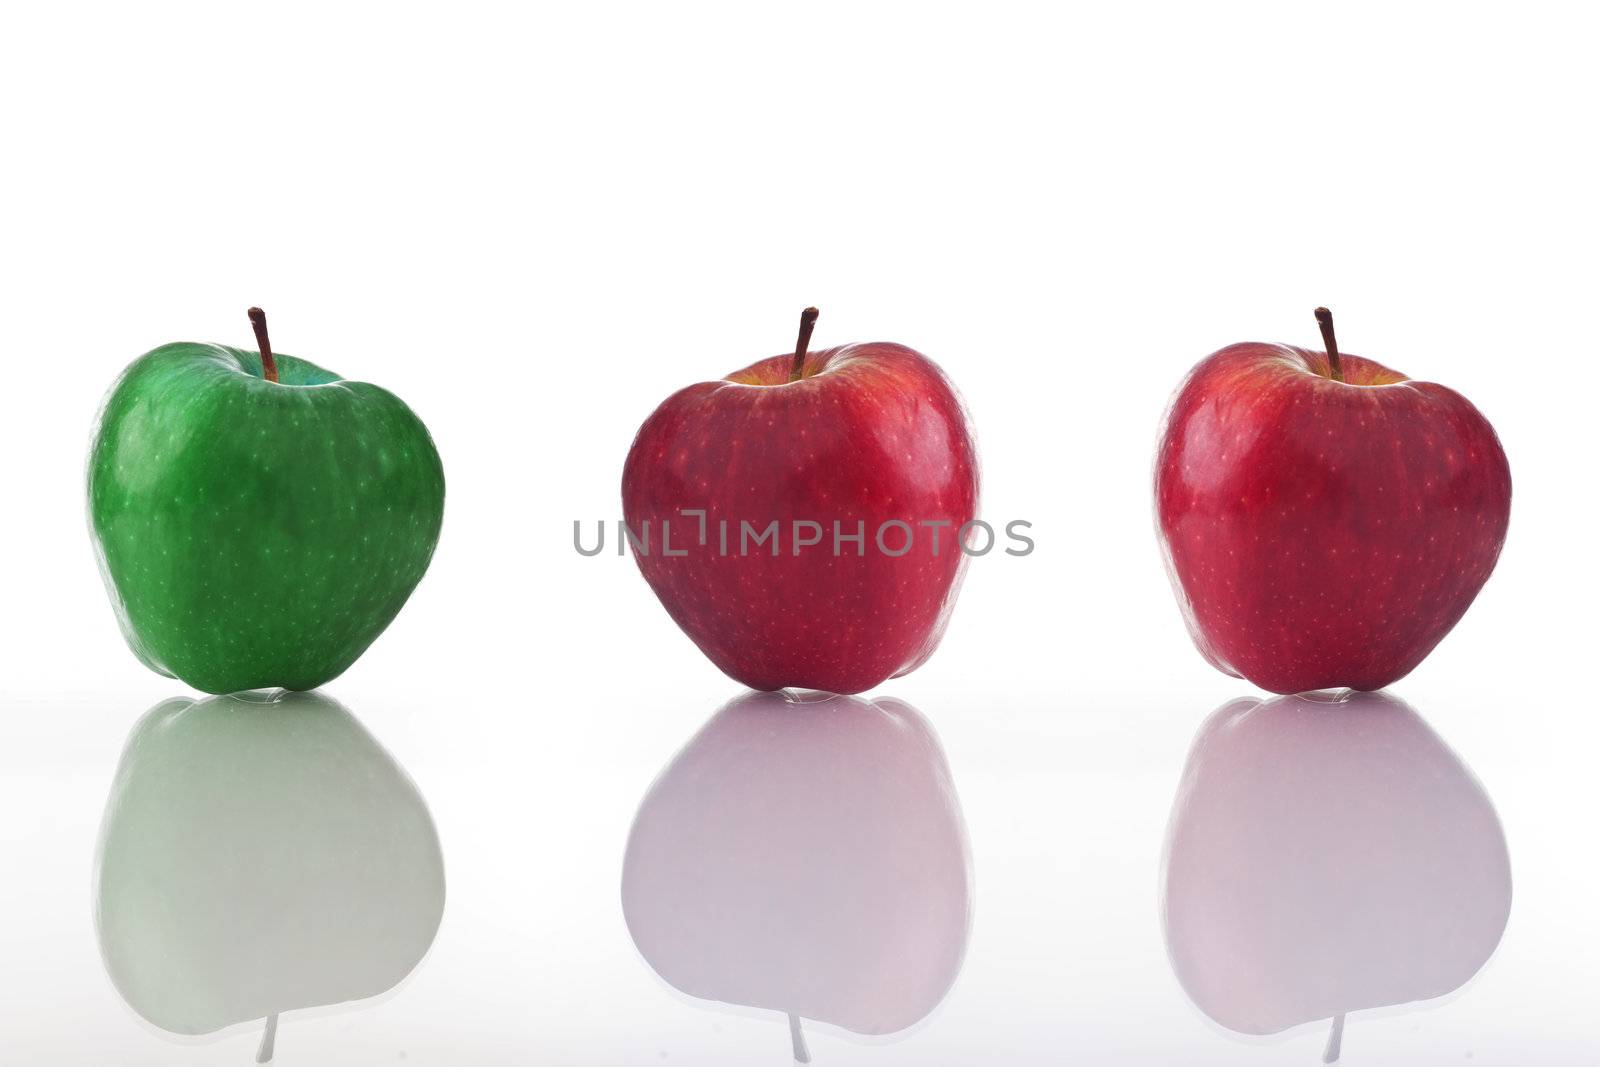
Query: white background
(534, 224)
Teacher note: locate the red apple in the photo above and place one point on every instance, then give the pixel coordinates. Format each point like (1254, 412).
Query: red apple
(1328, 853)
(807, 855)
(1325, 520)
(865, 439)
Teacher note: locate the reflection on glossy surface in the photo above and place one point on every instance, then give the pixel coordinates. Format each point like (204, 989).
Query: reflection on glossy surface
(261, 853)
(1328, 853)
(805, 854)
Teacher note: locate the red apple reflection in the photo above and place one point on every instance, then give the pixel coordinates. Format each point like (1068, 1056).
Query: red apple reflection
(805, 854)
(1327, 854)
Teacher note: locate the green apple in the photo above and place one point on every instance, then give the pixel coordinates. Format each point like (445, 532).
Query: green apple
(261, 853)
(258, 519)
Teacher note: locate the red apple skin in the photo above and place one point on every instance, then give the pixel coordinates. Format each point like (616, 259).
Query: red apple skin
(1323, 534)
(870, 433)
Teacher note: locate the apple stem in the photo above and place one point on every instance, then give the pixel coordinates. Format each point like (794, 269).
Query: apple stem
(269, 1038)
(1330, 1053)
(258, 322)
(1325, 321)
(797, 1039)
(808, 322)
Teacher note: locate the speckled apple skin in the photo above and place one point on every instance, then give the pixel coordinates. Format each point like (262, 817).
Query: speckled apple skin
(1323, 534)
(257, 534)
(870, 433)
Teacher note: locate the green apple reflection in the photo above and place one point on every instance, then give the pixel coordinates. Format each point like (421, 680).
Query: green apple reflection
(261, 853)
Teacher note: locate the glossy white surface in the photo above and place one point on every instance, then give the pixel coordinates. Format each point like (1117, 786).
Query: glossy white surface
(1066, 798)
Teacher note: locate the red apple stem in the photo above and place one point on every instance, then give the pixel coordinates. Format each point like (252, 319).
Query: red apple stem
(1330, 1053)
(1325, 321)
(269, 1039)
(797, 1040)
(258, 322)
(808, 322)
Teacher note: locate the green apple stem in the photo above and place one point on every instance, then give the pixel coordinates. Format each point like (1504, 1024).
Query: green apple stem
(797, 1040)
(258, 322)
(269, 1038)
(1330, 1053)
(808, 322)
(1325, 321)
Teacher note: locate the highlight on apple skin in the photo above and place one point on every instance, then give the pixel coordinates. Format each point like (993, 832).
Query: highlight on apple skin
(1325, 520)
(849, 438)
(1327, 854)
(805, 854)
(258, 520)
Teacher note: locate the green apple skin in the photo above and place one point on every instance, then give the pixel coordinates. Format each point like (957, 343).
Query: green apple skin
(259, 854)
(256, 534)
